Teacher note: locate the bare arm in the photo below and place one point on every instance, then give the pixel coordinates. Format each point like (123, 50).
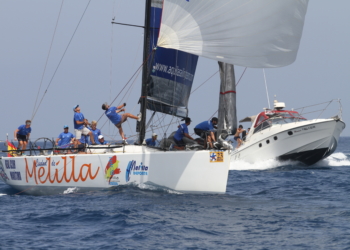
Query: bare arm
(188, 136)
(15, 134)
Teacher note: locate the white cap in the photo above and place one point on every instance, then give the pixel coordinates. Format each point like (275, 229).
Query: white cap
(100, 137)
(154, 134)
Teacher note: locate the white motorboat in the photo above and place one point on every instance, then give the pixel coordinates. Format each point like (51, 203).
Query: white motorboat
(286, 135)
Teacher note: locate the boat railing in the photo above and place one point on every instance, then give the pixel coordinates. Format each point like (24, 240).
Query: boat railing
(322, 110)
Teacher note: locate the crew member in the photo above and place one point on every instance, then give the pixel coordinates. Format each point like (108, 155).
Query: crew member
(152, 141)
(237, 136)
(65, 138)
(181, 132)
(80, 124)
(206, 131)
(116, 119)
(22, 135)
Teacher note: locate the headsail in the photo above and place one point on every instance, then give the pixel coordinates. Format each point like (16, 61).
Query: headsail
(256, 34)
(171, 73)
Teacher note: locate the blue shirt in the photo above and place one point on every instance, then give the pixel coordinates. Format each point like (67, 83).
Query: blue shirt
(150, 142)
(78, 117)
(23, 130)
(206, 125)
(65, 138)
(113, 116)
(180, 133)
(96, 133)
(84, 139)
(104, 143)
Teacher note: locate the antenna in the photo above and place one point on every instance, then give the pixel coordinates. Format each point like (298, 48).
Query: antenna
(267, 92)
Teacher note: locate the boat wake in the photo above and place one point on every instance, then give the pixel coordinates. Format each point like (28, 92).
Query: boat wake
(70, 190)
(154, 187)
(261, 165)
(335, 160)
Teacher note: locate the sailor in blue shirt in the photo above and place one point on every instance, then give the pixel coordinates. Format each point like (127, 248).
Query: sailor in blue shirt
(116, 119)
(22, 135)
(101, 140)
(206, 131)
(95, 131)
(182, 132)
(64, 139)
(79, 125)
(152, 141)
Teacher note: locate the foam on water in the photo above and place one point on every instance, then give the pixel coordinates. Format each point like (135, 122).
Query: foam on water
(2, 194)
(70, 190)
(335, 160)
(261, 165)
(153, 187)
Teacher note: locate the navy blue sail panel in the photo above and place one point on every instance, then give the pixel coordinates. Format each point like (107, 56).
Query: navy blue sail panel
(171, 73)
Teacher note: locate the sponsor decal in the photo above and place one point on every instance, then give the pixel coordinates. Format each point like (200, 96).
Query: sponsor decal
(135, 170)
(111, 170)
(216, 156)
(173, 71)
(42, 163)
(10, 164)
(15, 176)
(66, 173)
(2, 173)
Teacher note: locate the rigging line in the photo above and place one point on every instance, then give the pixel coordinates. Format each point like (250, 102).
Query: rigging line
(62, 57)
(205, 81)
(47, 59)
(267, 92)
(241, 76)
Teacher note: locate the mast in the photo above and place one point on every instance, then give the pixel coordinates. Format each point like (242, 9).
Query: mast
(227, 113)
(141, 126)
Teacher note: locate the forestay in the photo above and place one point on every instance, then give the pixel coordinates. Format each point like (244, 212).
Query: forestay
(257, 34)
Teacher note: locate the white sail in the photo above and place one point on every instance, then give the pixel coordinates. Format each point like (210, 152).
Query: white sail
(249, 33)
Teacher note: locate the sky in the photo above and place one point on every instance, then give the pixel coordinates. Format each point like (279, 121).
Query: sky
(101, 58)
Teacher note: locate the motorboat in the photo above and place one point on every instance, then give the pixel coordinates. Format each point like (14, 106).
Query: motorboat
(286, 135)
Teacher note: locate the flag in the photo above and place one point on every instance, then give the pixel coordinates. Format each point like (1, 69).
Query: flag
(10, 146)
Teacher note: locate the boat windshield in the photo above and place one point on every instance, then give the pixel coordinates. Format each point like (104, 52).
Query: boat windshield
(286, 117)
(268, 119)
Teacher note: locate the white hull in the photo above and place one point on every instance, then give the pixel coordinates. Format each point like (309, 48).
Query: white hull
(183, 171)
(309, 142)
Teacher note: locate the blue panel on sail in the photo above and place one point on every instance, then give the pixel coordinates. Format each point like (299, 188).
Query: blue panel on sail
(172, 74)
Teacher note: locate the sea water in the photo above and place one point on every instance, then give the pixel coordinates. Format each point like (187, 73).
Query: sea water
(268, 205)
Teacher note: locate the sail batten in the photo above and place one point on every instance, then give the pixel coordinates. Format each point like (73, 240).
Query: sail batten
(257, 34)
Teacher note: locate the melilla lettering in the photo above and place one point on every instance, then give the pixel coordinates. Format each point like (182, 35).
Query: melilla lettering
(44, 174)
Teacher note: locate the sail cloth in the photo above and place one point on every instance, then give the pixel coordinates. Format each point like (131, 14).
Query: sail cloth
(171, 74)
(249, 33)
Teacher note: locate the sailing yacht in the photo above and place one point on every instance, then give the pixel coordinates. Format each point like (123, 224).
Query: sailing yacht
(259, 34)
(286, 135)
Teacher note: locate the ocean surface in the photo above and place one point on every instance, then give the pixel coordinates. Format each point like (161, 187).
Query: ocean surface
(268, 205)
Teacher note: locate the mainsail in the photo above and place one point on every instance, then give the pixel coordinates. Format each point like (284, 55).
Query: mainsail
(255, 34)
(171, 73)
